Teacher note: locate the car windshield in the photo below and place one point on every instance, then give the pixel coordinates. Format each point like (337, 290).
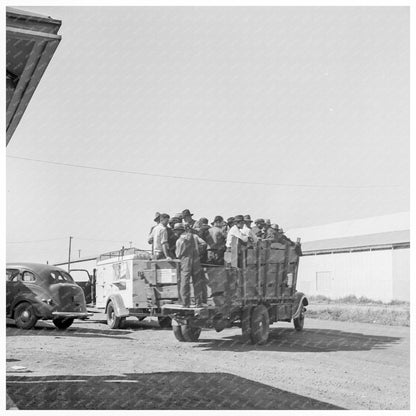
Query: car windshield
(61, 276)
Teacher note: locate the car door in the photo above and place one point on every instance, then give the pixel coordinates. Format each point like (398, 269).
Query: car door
(12, 288)
(83, 279)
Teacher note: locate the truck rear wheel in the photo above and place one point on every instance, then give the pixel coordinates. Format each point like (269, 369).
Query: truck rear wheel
(113, 321)
(246, 324)
(190, 333)
(260, 325)
(299, 321)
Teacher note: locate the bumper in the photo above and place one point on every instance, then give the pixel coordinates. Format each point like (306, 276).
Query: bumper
(79, 315)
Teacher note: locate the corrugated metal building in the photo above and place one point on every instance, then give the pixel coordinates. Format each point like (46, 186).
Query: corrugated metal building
(368, 257)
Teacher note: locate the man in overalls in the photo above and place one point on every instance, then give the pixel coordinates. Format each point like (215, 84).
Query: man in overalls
(187, 251)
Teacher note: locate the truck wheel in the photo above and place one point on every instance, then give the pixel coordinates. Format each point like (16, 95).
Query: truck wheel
(165, 322)
(63, 323)
(246, 324)
(190, 334)
(299, 321)
(24, 315)
(177, 331)
(113, 321)
(259, 325)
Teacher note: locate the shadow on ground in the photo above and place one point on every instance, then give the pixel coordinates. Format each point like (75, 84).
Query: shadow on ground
(169, 391)
(46, 329)
(308, 340)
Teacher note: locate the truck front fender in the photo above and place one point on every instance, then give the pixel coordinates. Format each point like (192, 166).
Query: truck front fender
(300, 301)
(119, 309)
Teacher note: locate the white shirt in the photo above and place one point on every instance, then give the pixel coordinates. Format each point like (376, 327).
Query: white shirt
(249, 233)
(235, 232)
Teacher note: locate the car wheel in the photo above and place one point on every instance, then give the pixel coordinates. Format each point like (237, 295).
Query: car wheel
(259, 325)
(165, 322)
(246, 324)
(299, 321)
(113, 321)
(63, 323)
(190, 333)
(24, 315)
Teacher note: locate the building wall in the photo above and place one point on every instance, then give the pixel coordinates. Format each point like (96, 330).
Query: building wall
(401, 274)
(380, 275)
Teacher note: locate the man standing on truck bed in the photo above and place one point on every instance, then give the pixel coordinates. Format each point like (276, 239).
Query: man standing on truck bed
(187, 251)
(157, 221)
(236, 231)
(216, 242)
(161, 239)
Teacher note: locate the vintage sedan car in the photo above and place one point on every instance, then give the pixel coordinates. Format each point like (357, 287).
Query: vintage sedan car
(39, 291)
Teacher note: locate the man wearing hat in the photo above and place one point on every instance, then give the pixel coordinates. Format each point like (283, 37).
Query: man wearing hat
(187, 251)
(272, 233)
(247, 229)
(258, 228)
(172, 236)
(160, 239)
(216, 242)
(156, 220)
(188, 221)
(236, 231)
(201, 228)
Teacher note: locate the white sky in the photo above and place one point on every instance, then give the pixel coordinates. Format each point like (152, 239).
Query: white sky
(300, 96)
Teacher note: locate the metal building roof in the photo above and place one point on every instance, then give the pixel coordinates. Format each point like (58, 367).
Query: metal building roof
(390, 239)
(31, 41)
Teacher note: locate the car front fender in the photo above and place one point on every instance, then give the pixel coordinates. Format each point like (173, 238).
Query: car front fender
(300, 301)
(119, 309)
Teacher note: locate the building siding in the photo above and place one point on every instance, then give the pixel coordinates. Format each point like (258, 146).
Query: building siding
(379, 275)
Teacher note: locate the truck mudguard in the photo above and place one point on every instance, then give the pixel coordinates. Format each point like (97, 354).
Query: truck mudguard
(119, 309)
(299, 302)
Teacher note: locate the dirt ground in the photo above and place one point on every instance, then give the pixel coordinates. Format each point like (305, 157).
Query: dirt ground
(329, 365)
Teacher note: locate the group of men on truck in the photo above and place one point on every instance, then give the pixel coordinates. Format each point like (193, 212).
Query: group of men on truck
(196, 242)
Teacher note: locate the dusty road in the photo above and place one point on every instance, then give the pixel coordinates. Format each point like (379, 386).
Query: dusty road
(327, 366)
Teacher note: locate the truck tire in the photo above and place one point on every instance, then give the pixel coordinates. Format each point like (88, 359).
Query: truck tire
(177, 331)
(24, 315)
(63, 323)
(259, 325)
(113, 321)
(190, 333)
(246, 324)
(165, 322)
(299, 321)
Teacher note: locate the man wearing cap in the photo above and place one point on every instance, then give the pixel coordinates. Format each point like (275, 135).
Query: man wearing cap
(247, 229)
(236, 231)
(156, 220)
(187, 251)
(161, 239)
(258, 228)
(216, 242)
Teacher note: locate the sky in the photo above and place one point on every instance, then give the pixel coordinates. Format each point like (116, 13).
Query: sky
(297, 114)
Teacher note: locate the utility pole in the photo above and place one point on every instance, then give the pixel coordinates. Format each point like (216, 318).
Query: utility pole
(69, 254)
(130, 243)
(79, 253)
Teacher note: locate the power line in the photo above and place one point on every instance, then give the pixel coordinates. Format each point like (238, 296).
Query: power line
(64, 238)
(189, 178)
(34, 241)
